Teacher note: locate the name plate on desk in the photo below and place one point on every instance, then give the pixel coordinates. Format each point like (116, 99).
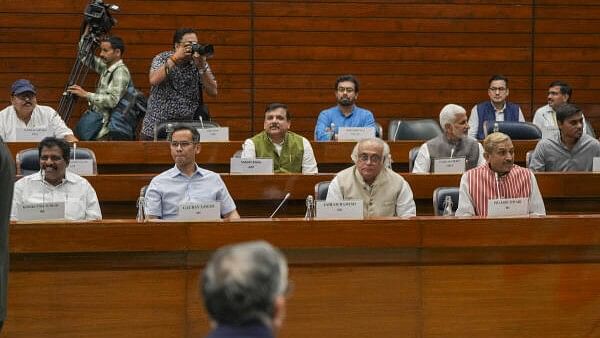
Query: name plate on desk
(199, 211)
(347, 209)
(41, 211)
(31, 134)
(449, 165)
(217, 134)
(82, 167)
(508, 207)
(355, 133)
(251, 165)
(596, 164)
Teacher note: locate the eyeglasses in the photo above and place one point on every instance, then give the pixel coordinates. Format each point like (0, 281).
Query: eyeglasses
(498, 89)
(182, 144)
(348, 90)
(25, 96)
(366, 158)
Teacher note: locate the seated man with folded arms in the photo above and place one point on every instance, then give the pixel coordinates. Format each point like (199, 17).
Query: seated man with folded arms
(54, 183)
(244, 288)
(499, 178)
(346, 113)
(26, 113)
(454, 142)
(186, 182)
(291, 153)
(498, 108)
(384, 192)
(573, 150)
(559, 92)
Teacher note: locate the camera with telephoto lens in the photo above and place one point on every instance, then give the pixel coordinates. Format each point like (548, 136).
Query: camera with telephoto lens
(203, 49)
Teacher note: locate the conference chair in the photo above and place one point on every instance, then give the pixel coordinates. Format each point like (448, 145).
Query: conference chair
(412, 156)
(516, 130)
(528, 158)
(28, 160)
(424, 129)
(439, 196)
(321, 189)
(378, 130)
(163, 129)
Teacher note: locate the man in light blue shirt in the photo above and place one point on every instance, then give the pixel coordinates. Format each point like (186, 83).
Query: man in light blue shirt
(186, 181)
(346, 113)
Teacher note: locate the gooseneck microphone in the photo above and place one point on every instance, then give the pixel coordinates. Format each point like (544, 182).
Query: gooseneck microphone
(280, 204)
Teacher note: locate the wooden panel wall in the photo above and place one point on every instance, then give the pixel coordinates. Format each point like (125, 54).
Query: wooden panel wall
(412, 57)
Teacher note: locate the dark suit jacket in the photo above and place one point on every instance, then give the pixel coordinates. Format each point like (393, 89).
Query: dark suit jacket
(247, 331)
(7, 181)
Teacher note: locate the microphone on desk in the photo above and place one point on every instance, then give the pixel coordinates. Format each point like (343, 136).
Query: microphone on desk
(280, 204)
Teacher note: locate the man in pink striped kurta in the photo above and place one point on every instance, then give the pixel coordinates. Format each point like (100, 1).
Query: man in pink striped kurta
(497, 179)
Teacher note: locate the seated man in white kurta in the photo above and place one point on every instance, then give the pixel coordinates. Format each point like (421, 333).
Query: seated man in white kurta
(384, 192)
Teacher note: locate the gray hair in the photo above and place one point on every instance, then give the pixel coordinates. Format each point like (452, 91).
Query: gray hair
(386, 156)
(242, 281)
(448, 114)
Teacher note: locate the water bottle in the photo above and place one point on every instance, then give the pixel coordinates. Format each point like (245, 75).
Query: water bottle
(332, 132)
(310, 208)
(448, 206)
(496, 127)
(141, 213)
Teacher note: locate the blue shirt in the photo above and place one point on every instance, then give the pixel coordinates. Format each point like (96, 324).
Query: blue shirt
(167, 190)
(359, 117)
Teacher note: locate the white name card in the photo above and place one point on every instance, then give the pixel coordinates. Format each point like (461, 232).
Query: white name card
(83, 167)
(35, 134)
(449, 165)
(199, 211)
(347, 209)
(508, 207)
(596, 164)
(355, 133)
(251, 165)
(41, 211)
(216, 134)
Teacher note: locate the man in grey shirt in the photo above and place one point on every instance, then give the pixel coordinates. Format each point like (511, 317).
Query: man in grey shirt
(571, 150)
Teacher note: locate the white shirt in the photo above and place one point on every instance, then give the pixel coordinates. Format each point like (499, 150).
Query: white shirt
(309, 163)
(41, 117)
(465, 203)
(545, 119)
(81, 202)
(405, 204)
(423, 161)
(474, 119)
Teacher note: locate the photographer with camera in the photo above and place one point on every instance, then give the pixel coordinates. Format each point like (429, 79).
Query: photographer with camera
(112, 85)
(178, 78)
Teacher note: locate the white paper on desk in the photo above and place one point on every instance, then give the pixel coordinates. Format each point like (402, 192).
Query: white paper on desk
(216, 134)
(508, 207)
(199, 211)
(41, 211)
(346, 209)
(449, 165)
(82, 167)
(251, 165)
(596, 164)
(355, 133)
(35, 134)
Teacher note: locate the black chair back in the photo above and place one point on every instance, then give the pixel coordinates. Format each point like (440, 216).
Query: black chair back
(163, 129)
(439, 196)
(412, 156)
(516, 130)
(28, 160)
(321, 189)
(424, 129)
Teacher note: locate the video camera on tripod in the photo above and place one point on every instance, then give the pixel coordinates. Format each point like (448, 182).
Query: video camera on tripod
(97, 16)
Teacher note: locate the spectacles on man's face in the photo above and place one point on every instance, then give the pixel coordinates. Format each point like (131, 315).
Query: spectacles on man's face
(182, 144)
(498, 89)
(373, 158)
(27, 96)
(348, 90)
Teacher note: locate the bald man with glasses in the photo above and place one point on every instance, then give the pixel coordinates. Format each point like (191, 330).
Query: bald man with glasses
(384, 192)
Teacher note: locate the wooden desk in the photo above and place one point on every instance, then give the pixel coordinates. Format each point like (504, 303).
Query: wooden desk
(423, 277)
(154, 157)
(258, 195)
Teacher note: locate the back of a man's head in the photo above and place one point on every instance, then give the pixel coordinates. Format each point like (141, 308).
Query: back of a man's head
(243, 283)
